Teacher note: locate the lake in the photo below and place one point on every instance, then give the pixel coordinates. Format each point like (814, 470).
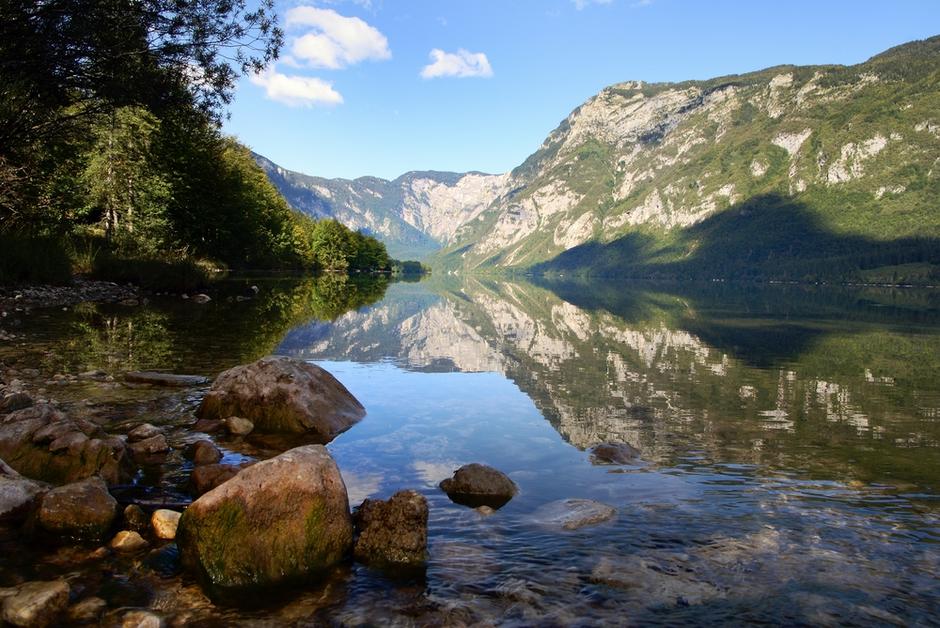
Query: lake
(789, 442)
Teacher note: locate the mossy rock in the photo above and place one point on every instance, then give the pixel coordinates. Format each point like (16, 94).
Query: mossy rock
(281, 520)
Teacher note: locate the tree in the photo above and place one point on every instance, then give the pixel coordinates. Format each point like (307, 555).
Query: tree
(64, 63)
(123, 185)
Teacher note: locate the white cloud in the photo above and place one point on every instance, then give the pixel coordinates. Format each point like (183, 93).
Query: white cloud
(296, 91)
(335, 41)
(461, 64)
(580, 4)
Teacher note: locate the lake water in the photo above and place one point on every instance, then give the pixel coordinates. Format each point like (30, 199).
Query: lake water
(789, 439)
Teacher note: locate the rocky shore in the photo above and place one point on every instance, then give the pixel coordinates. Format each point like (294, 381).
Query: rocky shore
(79, 291)
(83, 492)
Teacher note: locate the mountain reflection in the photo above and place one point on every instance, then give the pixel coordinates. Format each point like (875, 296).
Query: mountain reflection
(838, 383)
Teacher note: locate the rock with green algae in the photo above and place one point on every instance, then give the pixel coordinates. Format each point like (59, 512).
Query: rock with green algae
(280, 520)
(280, 394)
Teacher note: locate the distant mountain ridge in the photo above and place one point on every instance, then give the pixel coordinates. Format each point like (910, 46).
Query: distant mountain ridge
(789, 172)
(806, 173)
(415, 214)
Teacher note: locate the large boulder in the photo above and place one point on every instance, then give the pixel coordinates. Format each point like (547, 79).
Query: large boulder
(44, 444)
(279, 394)
(393, 533)
(18, 495)
(279, 520)
(83, 510)
(479, 485)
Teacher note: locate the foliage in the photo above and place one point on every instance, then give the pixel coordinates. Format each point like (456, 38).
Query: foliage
(33, 259)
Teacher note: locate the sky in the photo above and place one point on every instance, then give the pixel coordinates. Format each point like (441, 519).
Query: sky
(381, 87)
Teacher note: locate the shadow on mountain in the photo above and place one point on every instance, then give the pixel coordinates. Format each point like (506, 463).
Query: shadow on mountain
(761, 324)
(768, 237)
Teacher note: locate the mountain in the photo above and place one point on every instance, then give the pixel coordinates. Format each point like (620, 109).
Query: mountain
(414, 215)
(790, 172)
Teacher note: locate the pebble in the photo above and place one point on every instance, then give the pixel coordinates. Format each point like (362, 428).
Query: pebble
(128, 541)
(165, 522)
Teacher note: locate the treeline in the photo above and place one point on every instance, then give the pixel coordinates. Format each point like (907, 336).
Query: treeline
(111, 150)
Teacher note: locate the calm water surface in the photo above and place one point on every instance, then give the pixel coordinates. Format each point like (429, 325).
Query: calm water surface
(790, 443)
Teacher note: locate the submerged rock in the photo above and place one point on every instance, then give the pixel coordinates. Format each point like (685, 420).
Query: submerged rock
(87, 611)
(571, 514)
(165, 379)
(36, 603)
(279, 394)
(279, 520)
(479, 485)
(44, 444)
(82, 510)
(393, 533)
(614, 453)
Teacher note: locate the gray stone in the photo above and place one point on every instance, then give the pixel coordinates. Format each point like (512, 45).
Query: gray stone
(18, 495)
(571, 514)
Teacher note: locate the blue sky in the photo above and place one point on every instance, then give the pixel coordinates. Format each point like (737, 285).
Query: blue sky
(380, 87)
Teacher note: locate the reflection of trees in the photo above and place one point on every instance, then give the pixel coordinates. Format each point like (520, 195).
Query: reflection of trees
(185, 337)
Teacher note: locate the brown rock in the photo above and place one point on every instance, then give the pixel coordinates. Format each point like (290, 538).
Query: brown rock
(479, 485)
(128, 541)
(238, 426)
(393, 533)
(146, 449)
(44, 444)
(207, 477)
(279, 394)
(87, 611)
(165, 523)
(136, 519)
(281, 519)
(208, 426)
(82, 510)
(141, 619)
(143, 431)
(36, 603)
(203, 452)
